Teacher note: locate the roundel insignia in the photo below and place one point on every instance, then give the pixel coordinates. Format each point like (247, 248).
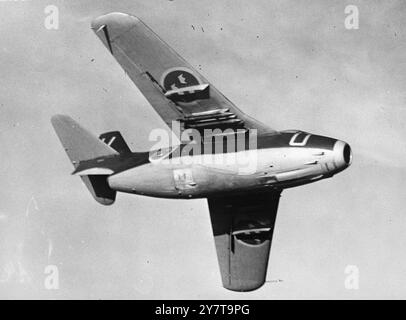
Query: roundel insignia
(177, 78)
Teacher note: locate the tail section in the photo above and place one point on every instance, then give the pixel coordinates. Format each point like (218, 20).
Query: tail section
(100, 189)
(79, 143)
(82, 145)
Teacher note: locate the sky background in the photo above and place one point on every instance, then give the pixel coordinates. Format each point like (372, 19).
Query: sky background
(290, 64)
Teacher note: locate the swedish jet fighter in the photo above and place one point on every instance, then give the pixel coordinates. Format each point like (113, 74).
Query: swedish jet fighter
(242, 203)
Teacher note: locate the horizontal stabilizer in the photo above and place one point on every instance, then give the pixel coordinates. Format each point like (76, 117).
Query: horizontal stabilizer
(100, 189)
(79, 143)
(94, 172)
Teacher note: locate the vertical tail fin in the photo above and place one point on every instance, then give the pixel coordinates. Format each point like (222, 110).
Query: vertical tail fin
(82, 145)
(115, 140)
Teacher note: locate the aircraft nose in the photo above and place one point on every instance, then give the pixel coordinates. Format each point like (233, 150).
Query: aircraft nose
(342, 155)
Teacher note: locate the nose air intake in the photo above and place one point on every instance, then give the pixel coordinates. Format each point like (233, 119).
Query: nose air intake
(342, 155)
(347, 154)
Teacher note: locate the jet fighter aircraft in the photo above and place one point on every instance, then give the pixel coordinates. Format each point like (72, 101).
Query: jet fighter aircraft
(242, 205)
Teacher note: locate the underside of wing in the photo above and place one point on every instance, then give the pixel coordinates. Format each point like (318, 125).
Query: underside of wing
(172, 86)
(243, 228)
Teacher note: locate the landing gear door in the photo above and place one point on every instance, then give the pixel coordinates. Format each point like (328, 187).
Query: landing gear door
(183, 179)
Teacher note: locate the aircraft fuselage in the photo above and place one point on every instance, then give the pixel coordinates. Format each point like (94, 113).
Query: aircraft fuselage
(285, 160)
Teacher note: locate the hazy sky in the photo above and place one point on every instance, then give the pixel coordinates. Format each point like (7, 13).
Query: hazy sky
(291, 64)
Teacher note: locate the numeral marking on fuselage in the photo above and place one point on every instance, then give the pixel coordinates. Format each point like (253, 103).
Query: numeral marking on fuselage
(300, 143)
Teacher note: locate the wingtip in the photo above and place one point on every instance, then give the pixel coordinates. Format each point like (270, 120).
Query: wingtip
(244, 285)
(59, 117)
(117, 20)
